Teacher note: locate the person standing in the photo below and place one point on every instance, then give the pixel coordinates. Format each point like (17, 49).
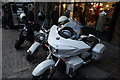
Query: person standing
(101, 21)
(81, 15)
(54, 16)
(30, 14)
(4, 17)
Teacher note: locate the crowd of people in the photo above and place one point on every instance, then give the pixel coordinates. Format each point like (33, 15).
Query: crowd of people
(4, 13)
(53, 15)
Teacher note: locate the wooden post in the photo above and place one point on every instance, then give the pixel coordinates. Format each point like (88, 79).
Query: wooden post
(116, 33)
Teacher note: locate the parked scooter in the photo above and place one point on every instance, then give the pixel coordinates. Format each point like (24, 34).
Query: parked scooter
(66, 54)
(41, 38)
(27, 32)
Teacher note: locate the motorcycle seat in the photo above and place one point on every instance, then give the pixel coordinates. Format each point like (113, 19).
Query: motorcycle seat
(91, 41)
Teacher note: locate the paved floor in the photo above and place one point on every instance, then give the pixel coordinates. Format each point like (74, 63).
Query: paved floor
(14, 64)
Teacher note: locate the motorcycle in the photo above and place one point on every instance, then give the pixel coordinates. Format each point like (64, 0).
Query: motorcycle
(41, 38)
(27, 33)
(68, 55)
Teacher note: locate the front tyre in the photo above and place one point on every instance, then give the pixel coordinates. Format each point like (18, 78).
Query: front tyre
(44, 76)
(35, 78)
(29, 57)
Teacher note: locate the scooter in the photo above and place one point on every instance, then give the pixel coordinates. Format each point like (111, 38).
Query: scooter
(27, 33)
(67, 55)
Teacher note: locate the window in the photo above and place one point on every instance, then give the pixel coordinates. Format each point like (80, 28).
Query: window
(93, 12)
(88, 13)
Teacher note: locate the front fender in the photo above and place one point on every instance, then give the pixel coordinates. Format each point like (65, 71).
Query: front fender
(42, 67)
(34, 46)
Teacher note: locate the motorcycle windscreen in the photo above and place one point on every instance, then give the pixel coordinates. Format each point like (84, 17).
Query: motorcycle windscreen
(63, 44)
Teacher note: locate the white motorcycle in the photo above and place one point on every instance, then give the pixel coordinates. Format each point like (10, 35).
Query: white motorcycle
(67, 55)
(41, 38)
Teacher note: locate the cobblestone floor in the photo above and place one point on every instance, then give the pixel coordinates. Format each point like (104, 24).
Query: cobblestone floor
(14, 64)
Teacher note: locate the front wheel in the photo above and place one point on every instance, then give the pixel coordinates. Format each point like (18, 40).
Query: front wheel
(29, 57)
(44, 76)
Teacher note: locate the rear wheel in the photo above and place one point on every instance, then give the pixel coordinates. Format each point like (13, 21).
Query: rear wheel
(17, 45)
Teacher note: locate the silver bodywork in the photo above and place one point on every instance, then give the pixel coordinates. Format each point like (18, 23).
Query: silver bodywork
(97, 51)
(66, 47)
(73, 63)
(34, 46)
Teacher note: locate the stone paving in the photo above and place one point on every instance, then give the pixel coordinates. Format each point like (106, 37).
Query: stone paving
(14, 64)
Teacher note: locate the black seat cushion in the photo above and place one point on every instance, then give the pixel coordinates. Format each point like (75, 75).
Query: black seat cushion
(91, 41)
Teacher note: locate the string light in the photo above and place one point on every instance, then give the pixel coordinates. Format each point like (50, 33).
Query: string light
(101, 4)
(101, 9)
(91, 3)
(107, 5)
(91, 9)
(64, 5)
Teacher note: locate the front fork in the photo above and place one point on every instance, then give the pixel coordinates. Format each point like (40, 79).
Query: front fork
(52, 71)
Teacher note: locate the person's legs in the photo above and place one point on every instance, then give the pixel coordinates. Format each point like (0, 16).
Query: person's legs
(4, 22)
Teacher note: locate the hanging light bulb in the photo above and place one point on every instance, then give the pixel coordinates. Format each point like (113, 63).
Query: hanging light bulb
(101, 4)
(101, 8)
(97, 4)
(107, 5)
(91, 3)
(64, 5)
(91, 9)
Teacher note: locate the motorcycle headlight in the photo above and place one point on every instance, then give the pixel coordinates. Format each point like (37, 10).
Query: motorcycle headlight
(41, 38)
